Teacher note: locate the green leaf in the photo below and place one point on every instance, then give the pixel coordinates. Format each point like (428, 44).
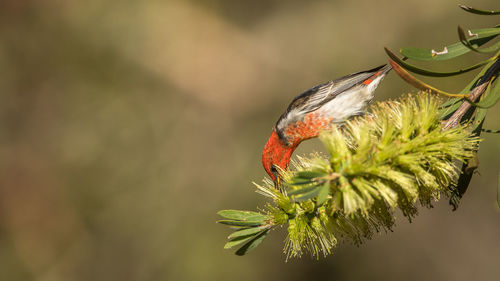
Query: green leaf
(450, 106)
(481, 37)
(238, 241)
(299, 181)
(470, 46)
(478, 12)
(242, 215)
(417, 83)
(426, 72)
(309, 174)
(240, 223)
(424, 54)
(485, 32)
(479, 118)
(491, 97)
(490, 49)
(248, 231)
(311, 194)
(252, 244)
(236, 228)
(302, 190)
(323, 194)
(450, 102)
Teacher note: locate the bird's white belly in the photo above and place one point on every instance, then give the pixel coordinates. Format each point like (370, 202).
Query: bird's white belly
(347, 104)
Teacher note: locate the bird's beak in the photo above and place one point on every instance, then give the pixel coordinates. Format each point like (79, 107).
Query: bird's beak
(277, 182)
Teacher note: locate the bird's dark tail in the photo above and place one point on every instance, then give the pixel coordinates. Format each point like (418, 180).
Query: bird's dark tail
(377, 72)
(386, 68)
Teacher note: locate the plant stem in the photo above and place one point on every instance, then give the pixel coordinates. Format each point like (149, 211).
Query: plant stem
(454, 120)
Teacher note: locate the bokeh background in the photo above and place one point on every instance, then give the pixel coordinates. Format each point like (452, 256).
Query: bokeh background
(126, 125)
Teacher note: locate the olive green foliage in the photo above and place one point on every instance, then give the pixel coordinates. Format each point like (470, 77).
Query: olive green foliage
(395, 157)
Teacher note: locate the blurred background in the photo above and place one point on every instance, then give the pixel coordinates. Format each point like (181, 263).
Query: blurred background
(126, 125)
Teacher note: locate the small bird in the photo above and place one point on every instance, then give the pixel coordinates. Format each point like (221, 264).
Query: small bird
(318, 109)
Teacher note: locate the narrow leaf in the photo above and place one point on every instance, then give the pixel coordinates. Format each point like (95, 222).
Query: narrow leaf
(490, 49)
(426, 72)
(447, 108)
(461, 36)
(450, 102)
(302, 190)
(245, 249)
(481, 37)
(450, 106)
(236, 228)
(470, 46)
(478, 12)
(242, 215)
(298, 181)
(419, 84)
(484, 32)
(425, 54)
(479, 118)
(240, 223)
(323, 194)
(491, 97)
(248, 231)
(309, 174)
(238, 241)
(311, 194)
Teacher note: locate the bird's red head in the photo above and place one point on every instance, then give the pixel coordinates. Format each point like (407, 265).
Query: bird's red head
(276, 153)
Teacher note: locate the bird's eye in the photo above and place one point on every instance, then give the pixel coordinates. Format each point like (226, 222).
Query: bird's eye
(273, 169)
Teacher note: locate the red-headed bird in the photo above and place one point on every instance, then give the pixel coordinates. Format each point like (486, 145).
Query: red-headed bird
(318, 109)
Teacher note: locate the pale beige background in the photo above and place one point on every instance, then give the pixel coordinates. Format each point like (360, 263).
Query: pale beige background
(125, 126)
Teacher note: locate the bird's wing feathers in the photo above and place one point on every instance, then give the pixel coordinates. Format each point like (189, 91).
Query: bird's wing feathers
(317, 96)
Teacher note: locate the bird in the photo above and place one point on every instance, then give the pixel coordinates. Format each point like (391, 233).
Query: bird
(317, 109)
